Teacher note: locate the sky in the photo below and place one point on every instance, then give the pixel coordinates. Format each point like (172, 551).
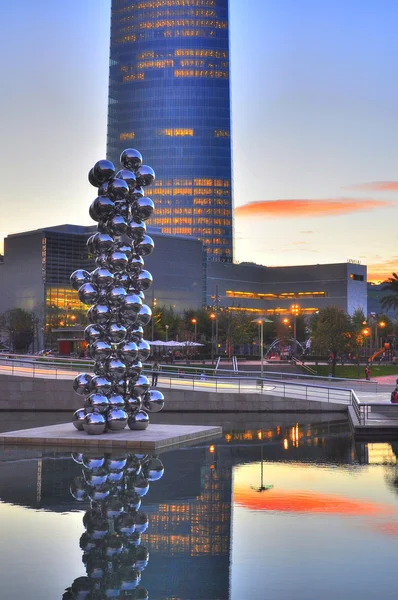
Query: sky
(314, 92)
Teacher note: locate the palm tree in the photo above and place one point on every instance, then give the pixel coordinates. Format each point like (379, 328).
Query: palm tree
(391, 300)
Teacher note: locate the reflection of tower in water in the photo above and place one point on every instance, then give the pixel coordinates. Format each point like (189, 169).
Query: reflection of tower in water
(112, 551)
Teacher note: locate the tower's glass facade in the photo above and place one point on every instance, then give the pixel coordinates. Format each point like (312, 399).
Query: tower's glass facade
(169, 96)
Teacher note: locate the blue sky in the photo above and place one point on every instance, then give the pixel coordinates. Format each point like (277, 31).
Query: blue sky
(314, 104)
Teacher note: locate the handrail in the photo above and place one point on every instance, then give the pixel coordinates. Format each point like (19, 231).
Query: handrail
(217, 363)
(300, 363)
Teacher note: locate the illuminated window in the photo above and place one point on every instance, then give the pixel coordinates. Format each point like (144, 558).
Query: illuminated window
(176, 132)
(355, 277)
(282, 295)
(127, 136)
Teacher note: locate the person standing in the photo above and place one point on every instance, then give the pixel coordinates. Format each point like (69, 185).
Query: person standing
(367, 373)
(155, 373)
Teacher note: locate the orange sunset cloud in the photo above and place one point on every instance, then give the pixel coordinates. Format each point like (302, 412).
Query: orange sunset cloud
(308, 208)
(376, 186)
(382, 270)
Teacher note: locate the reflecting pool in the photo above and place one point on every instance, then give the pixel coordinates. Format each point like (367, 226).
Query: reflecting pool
(277, 507)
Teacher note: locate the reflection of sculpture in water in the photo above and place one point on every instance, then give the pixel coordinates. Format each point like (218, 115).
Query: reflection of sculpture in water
(118, 394)
(112, 552)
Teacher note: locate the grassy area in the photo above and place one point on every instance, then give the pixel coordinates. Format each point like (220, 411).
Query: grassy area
(351, 371)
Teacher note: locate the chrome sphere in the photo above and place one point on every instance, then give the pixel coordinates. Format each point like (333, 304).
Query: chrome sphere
(116, 462)
(131, 306)
(102, 260)
(128, 352)
(81, 588)
(136, 264)
(145, 315)
(122, 280)
(123, 247)
(115, 477)
(134, 370)
(94, 461)
(133, 404)
(94, 423)
(96, 478)
(102, 278)
(87, 293)
(77, 457)
(113, 508)
(117, 225)
(99, 494)
(136, 334)
(131, 159)
(103, 188)
(117, 189)
(92, 333)
(116, 401)
(136, 230)
(102, 242)
(116, 332)
(78, 489)
(120, 387)
(92, 179)
(116, 419)
(117, 260)
(138, 421)
(100, 385)
(154, 469)
(144, 280)
(102, 208)
(139, 192)
(129, 579)
(141, 386)
(141, 485)
(133, 466)
(132, 500)
(129, 177)
(103, 170)
(145, 175)
(125, 525)
(116, 296)
(153, 401)
(141, 521)
(96, 402)
(100, 350)
(78, 418)
(115, 369)
(122, 208)
(100, 314)
(81, 384)
(144, 350)
(146, 246)
(79, 278)
(144, 208)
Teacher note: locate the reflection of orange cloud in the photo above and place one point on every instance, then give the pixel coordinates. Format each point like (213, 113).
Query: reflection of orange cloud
(308, 208)
(308, 502)
(376, 186)
(382, 271)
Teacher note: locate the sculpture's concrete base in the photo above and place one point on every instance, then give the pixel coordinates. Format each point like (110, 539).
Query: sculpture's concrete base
(156, 437)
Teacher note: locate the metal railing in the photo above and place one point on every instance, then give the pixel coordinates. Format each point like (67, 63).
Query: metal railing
(177, 379)
(371, 412)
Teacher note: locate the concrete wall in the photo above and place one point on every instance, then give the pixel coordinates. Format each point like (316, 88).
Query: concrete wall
(24, 393)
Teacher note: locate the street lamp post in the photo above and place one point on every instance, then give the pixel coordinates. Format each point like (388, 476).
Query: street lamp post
(260, 322)
(195, 322)
(167, 332)
(212, 317)
(154, 302)
(295, 310)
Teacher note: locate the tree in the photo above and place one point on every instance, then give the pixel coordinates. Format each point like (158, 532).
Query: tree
(391, 300)
(19, 325)
(332, 332)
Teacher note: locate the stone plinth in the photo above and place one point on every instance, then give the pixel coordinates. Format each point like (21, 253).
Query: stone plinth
(156, 437)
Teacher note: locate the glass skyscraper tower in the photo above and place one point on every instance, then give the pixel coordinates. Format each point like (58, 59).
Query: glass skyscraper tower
(169, 96)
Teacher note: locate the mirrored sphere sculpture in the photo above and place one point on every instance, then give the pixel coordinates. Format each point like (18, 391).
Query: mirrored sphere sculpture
(115, 396)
